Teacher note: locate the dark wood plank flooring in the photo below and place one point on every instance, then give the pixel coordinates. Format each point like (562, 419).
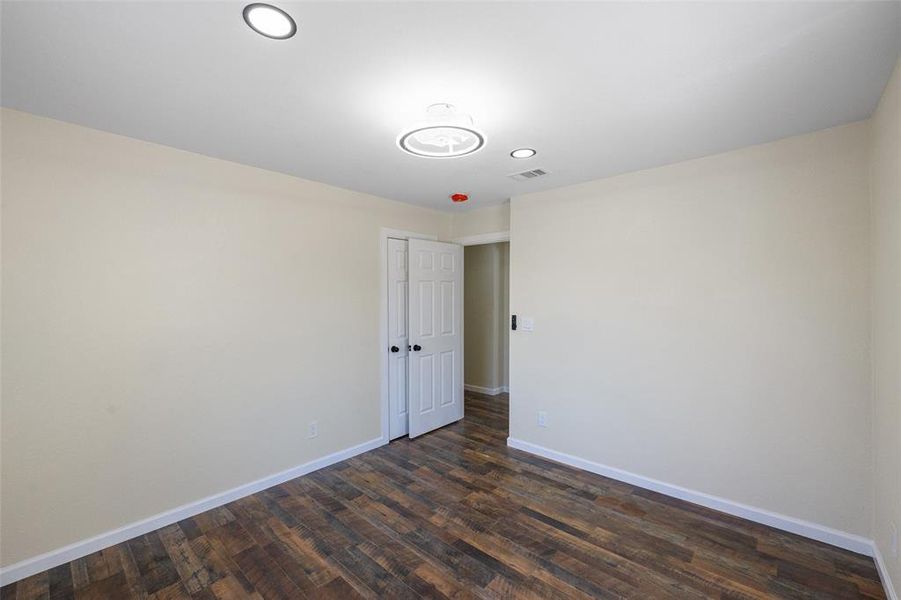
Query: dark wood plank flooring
(458, 514)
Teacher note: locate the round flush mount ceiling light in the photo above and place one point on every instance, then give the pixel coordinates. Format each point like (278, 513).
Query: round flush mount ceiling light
(270, 21)
(523, 153)
(444, 133)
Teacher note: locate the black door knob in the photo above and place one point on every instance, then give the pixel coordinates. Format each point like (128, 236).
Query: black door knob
(416, 347)
(395, 349)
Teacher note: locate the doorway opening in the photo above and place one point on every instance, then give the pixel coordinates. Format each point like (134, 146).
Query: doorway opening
(486, 309)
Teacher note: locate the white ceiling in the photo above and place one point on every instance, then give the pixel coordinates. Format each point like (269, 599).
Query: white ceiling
(596, 88)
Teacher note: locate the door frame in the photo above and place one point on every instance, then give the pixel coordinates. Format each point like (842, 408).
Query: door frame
(384, 234)
(483, 238)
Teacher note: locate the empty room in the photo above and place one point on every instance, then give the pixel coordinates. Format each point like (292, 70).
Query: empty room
(450, 299)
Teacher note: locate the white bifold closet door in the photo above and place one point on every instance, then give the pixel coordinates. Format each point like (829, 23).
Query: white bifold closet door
(435, 327)
(397, 338)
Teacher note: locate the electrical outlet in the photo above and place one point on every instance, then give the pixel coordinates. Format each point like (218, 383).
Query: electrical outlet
(893, 542)
(542, 418)
(313, 429)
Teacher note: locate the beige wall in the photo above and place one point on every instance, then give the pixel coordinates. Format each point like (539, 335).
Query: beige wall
(492, 219)
(706, 324)
(171, 324)
(485, 305)
(886, 319)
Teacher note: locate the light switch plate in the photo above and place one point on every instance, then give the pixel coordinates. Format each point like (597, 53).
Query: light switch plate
(527, 323)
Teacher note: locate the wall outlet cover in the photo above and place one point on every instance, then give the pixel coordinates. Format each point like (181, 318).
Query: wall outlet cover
(313, 429)
(542, 418)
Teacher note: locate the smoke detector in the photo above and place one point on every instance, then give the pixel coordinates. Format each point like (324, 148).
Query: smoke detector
(443, 133)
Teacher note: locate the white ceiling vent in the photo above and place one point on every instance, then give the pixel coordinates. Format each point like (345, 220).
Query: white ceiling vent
(525, 175)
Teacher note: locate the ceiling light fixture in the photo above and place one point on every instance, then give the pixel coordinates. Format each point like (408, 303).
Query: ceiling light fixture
(523, 153)
(444, 133)
(270, 21)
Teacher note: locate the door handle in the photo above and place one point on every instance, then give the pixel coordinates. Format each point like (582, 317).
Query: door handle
(395, 349)
(416, 347)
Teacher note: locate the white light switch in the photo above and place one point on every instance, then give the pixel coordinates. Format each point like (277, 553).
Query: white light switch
(527, 323)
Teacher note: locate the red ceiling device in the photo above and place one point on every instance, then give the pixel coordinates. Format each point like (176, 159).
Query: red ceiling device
(459, 197)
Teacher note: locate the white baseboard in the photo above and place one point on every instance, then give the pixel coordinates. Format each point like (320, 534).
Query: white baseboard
(54, 558)
(848, 541)
(887, 582)
(486, 390)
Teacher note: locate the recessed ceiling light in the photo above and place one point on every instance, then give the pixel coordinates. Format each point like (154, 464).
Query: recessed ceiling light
(270, 21)
(443, 134)
(523, 153)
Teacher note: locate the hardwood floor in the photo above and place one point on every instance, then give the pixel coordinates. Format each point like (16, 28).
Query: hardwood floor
(458, 514)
